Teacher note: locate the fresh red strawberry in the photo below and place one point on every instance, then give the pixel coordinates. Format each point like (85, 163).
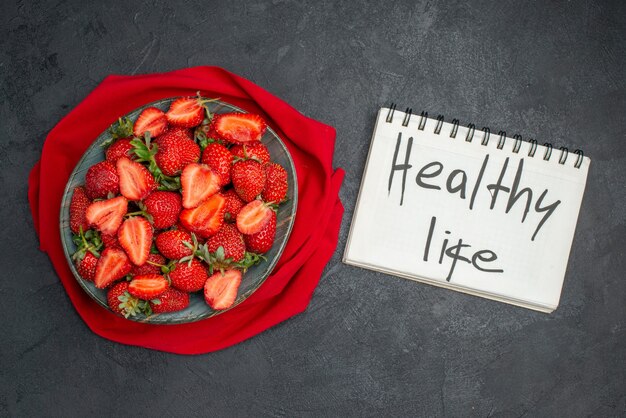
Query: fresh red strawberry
(151, 120)
(101, 179)
(135, 237)
(253, 217)
(198, 182)
(136, 182)
(251, 150)
(206, 219)
(248, 179)
(275, 184)
(87, 266)
(78, 206)
(171, 244)
(233, 205)
(152, 266)
(186, 112)
(106, 215)
(164, 208)
(220, 290)
(120, 148)
(148, 286)
(122, 302)
(239, 127)
(110, 240)
(231, 240)
(262, 241)
(175, 149)
(113, 264)
(171, 301)
(219, 158)
(189, 277)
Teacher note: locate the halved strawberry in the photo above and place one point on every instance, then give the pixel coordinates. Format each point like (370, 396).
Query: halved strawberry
(170, 301)
(148, 286)
(186, 112)
(262, 241)
(172, 244)
(219, 158)
(78, 207)
(135, 237)
(206, 219)
(189, 277)
(253, 217)
(113, 264)
(198, 182)
(106, 215)
(120, 148)
(151, 120)
(248, 179)
(252, 150)
(164, 207)
(101, 180)
(220, 290)
(136, 182)
(239, 127)
(175, 149)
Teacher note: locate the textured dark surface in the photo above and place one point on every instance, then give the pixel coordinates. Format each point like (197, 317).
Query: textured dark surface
(369, 344)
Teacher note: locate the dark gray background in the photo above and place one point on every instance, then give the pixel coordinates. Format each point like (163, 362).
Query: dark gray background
(369, 344)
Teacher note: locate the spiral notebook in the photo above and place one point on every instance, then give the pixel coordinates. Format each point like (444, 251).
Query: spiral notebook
(466, 209)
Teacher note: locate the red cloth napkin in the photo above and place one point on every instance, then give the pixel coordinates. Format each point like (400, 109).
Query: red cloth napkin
(313, 240)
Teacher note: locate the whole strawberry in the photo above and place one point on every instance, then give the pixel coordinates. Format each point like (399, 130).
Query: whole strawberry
(176, 149)
(276, 183)
(232, 206)
(102, 179)
(189, 277)
(231, 240)
(171, 244)
(219, 158)
(248, 179)
(120, 148)
(251, 150)
(152, 265)
(123, 303)
(86, 266)
(262, 241)
(170, 301)
(164, 208)
(78, 206)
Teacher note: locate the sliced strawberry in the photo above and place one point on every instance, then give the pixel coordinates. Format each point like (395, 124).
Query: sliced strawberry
(239, 127)
(206, 219)
(186, 112)
(219, 158)
(151, 120)
(112, 265)
(78, 207)
(120, 148)
(136, 182)
(252, 150)
(148, 286)
(262, 241)
(220, 290)
(135, 237)
(171, 301)
(106, 215)
(101, 180)
(172, 244)
(253, 217)
(198, 182)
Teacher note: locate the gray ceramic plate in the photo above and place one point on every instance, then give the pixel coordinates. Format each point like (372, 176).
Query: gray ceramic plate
(252, 279)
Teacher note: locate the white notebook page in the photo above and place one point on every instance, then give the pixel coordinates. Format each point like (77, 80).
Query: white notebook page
(499, 256)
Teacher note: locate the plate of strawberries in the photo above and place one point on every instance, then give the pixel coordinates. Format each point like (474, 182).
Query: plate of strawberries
(179, 211)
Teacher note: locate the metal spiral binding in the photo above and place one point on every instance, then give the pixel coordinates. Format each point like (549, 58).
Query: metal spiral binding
(486, 136)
